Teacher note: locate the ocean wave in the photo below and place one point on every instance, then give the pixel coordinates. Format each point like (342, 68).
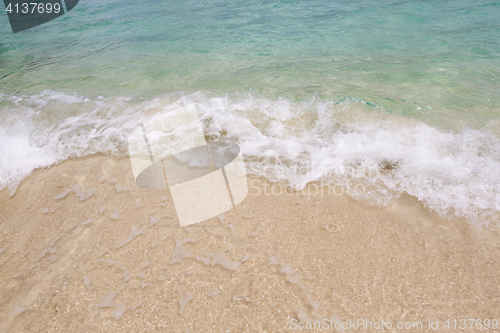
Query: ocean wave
(294, 143)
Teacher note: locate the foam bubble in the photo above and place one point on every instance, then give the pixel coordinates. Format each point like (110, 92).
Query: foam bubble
(294, 143)
(118, 312)
(183, 301)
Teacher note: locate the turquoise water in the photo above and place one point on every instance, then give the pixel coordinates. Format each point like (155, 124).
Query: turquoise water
(439, 54)
(291, 80)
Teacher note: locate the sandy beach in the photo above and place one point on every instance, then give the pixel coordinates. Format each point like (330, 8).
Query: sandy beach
(366, 133)
(82, 248)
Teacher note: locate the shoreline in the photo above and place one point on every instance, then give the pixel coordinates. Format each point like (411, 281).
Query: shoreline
(108, 255)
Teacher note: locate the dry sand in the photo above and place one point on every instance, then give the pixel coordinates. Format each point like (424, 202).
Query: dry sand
(111, 257)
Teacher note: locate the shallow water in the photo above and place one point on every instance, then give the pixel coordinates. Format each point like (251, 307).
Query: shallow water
(392, 103)
(321, 84)
(109, 256)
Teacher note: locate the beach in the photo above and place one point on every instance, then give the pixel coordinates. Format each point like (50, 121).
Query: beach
(367, 134)
(109, 255)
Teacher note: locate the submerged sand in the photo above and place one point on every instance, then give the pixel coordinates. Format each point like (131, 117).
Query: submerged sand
(107, 256)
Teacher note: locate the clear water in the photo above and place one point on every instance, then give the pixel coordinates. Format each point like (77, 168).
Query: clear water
(391, 53)
(336, 68)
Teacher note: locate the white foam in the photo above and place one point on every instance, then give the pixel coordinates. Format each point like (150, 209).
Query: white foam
(85, 222)
(136, 306)
(452, 173)
(18, 158)
(145, 264)
(126, 274)
(115, 215)
(86, 281)
(214, 293)
(285, 269)
(184, 301)
(108, 300)
(455, 173)
(35, 134)
(118, 312)
(80, 194)
(134, 232)
(155, 219)
(18, 310)
(219, 259)
(180, 252)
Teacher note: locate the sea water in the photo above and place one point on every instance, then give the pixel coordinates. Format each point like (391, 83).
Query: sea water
(399, 96)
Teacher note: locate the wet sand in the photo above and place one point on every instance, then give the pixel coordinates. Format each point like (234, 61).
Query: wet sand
(108, 256)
